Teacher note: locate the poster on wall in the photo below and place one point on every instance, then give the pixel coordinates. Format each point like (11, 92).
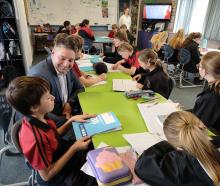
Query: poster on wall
(105, 8)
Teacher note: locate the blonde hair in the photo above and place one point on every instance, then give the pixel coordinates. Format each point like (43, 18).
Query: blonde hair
(185, 130)
(211, 63)
(177, 40)
(150, 56)
(125, 47)
(158, 40)
(114, 26)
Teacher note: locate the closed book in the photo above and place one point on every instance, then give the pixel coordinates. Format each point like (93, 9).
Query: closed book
(101, 123)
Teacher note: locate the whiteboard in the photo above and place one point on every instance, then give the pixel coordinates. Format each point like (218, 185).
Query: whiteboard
(56, 12)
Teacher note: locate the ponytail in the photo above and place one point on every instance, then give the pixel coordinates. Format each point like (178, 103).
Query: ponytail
(185, 130)
(216, 86)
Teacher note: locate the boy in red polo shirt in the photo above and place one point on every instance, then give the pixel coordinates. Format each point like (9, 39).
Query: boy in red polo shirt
(57, 162)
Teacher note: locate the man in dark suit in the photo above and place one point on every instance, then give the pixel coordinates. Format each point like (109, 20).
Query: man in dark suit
(57, 70)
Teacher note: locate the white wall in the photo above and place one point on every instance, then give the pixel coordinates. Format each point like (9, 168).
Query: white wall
(24, 33)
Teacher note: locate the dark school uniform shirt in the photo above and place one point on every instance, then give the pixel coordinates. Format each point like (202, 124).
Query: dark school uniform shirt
(156, 80)
(207, 108)
(112, 57)
(163, 165)
(86, 32)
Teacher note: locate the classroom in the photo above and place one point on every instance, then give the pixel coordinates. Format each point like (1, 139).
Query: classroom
(109, 92)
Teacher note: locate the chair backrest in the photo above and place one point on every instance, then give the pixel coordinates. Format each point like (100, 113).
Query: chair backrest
(184, 56)
(14, 135)
(168, 52)
(47, 50)
(172, 83)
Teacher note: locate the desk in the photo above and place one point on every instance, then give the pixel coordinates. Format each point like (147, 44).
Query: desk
(125, 109)
(104, 39)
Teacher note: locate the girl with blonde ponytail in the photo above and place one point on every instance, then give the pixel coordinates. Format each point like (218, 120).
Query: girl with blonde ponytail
(152, 74)
(207, 106)
(187, 157)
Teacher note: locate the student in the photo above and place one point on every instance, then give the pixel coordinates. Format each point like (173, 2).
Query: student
(86, 79)
(57, 70)
(85, 31)
(131, 38)
(207, 106)
(191, 43)
(113, 31)
(187, 157)
(125, 18)
(113, 57)
(158, 40)
(154, 77)
(129, 64)
(56, 161)
(176, 43)
(65, 28)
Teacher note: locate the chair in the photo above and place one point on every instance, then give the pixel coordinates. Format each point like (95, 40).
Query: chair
(172, 83)
(184, 58)
(47, 50)
(87, 46)
(15, 140)
(168, 52)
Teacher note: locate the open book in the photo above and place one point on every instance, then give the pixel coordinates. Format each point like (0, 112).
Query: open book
(101, 123)
(124, 85)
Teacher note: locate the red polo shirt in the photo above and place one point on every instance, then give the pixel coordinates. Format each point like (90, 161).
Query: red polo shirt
(39, 153)
(76, 70)
(133, 60)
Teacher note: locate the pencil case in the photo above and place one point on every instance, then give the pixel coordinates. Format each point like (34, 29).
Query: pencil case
(108, 167)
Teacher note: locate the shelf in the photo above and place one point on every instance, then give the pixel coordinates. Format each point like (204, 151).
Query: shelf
(7, 17)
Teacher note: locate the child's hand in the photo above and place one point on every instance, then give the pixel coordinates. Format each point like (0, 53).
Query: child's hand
(101, 54)
(139, 85)
(81, 118)
(102, 76)
(82, 144)
(115, 66)
(137, 77)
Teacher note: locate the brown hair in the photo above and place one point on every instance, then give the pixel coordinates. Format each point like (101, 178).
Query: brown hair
(125, 47)
(185, 130)
(79, 41)
(122, 36)
(150, 56)
(191, 36)
(123, 26)
(211, 63)
(177, 40)
(24, 92)
(66, 41)
(114, 26)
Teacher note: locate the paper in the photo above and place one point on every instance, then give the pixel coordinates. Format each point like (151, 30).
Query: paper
(124, 85)
(99, 83)
(142, 141)
(151, 111)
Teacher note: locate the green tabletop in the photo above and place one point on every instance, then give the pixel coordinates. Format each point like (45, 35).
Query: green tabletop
(125, 109)
(108, 86)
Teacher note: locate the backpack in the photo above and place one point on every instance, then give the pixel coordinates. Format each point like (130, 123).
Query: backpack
(6, 9)
(14, 49)
(8, 31)
(2, 51)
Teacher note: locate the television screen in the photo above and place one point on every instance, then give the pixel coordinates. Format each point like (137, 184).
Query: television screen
(159, 11)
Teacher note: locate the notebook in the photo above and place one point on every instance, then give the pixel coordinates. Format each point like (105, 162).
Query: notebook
(101, 123)
(124, 85)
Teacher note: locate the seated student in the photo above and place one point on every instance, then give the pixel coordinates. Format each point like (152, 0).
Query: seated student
(158, 40)
(207, 106)
(86, 79)
(85, 31)
(187, 157)
(113, 31)
(113, 57)
(56, 161)
(154, 77)
(65, 28)
(131, 38)
(191, 43)
(176, 43)
(129, 64)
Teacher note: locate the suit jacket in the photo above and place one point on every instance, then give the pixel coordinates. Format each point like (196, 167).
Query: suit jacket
(46, 70)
